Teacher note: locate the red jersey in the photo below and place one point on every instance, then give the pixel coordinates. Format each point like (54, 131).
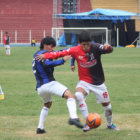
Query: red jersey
(89, 63)
(4, 39)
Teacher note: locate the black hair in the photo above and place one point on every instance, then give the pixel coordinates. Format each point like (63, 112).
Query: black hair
(47, 41)
(84, 37)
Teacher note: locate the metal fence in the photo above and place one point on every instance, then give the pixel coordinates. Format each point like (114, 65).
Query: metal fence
(24, 36)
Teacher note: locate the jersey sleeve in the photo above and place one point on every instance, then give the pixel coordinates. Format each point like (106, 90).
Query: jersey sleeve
(58, 54)
(50, 63)
(101, 49)
(72, 61)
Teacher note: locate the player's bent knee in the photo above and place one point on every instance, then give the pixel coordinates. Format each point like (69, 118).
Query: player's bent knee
(48, 104)
(68, 94)
(79, 95)
(79, 89)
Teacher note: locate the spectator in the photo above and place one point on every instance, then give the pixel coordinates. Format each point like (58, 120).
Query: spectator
(1, 94)
(6, 42)
(33, 44)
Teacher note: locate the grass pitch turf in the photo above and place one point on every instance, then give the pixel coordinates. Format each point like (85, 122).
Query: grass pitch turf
(20, 110)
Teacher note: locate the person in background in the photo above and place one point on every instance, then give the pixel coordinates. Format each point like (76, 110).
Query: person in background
(6, 43)
(33, 44)
(1, 94)
(48, 86)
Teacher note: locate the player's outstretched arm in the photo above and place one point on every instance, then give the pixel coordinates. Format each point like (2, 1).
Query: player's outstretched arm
(106, 48)
(54, 55)
(49, 63)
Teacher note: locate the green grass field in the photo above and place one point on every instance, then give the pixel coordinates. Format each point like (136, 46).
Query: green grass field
(19, 112)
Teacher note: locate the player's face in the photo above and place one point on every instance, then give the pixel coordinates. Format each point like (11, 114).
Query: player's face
(85, 46)
(48, 48)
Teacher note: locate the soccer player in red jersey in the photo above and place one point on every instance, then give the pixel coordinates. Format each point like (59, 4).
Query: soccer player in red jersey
(91, 75)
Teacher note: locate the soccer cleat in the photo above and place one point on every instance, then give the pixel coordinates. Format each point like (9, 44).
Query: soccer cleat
(113, 127)
(40, 131)
(1, 96)
(75, 122)
(86, 128)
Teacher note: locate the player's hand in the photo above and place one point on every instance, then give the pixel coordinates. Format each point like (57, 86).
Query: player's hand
(107, 46)
(67, 57)
(40, 57)
(73, 68)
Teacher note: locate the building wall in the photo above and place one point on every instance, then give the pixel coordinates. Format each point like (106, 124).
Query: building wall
(85, 6)
(21, 16)
(25, 15)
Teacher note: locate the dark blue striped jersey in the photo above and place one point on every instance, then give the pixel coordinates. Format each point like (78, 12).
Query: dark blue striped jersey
(43, 71)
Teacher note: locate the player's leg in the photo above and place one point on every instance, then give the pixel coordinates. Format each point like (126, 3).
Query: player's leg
(43, 115)
(8, 51)
(108, 115)
(81, 92)
(59, 89)
(80, 96)
(102, 97)
(43, 92)
(62, 91)
(71, 104)
(7, 47)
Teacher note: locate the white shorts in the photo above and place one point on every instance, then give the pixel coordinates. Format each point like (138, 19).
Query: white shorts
(100, 91)
(7, 46)
(53, 88)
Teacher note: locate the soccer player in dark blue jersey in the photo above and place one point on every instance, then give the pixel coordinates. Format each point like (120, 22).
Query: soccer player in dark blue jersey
(48, 86)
